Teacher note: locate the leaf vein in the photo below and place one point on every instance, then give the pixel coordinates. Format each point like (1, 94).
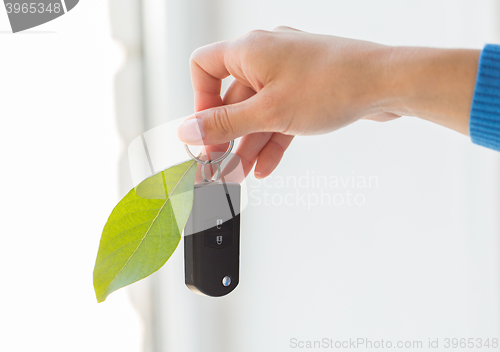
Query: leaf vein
(119, 233)
(134, 212)
(129, 242)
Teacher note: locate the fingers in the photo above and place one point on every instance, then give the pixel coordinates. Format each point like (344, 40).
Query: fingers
(251, 144)
(241, 113)
(266, 148)
(209, 152)
(248, 151)
(222, 124)
(213, 122)
(209, 66)
(207, 71)
(271, 154)
(250, 147)
(236, 93)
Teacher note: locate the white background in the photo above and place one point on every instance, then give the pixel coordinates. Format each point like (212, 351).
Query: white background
(419, 260)
(59, 150)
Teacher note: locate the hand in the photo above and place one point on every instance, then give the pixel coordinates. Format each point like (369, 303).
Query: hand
(289, 82)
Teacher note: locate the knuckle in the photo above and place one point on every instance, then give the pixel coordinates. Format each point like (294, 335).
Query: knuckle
(222, 124)
(282, 28)
(206, 51)
(257, 35)
(255, 43)
(195, 55)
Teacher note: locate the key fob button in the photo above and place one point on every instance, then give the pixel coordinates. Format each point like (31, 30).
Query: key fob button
(218, 239)
(217, 224)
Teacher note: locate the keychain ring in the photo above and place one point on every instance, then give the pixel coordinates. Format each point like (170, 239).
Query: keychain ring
(217, 173)
(214, 161)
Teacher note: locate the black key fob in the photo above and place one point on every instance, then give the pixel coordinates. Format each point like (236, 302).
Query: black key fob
(212, 239)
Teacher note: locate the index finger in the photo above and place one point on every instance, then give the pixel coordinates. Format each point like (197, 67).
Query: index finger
(208, 69)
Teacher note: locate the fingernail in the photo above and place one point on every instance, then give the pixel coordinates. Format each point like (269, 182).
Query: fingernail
(257, 175)
(191, 131)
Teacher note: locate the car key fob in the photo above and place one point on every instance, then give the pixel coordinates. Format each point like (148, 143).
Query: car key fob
(212, 239)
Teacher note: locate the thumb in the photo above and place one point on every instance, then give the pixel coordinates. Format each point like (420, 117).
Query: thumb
(222, 124)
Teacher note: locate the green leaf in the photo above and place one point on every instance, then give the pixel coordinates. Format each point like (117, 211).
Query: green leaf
(144, 229)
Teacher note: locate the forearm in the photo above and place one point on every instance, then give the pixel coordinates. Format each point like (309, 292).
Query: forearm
(434, 84)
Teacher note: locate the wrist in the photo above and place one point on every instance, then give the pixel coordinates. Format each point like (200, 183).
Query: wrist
(434, 84)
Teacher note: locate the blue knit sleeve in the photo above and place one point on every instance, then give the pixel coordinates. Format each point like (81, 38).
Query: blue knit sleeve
(484, 122)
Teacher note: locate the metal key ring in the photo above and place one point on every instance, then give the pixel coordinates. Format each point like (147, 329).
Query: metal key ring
(214, 161)
(216, 175)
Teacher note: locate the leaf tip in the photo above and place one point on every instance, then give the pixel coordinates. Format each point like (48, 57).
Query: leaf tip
(100, 297)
